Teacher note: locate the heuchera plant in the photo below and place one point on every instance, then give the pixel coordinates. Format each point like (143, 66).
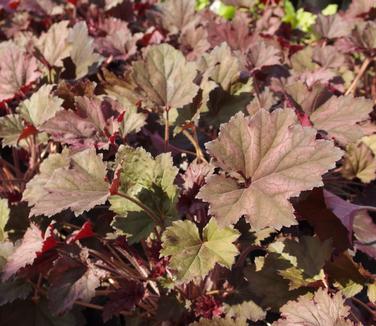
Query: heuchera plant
(171, 163)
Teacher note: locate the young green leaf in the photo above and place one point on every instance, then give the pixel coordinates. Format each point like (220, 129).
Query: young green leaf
(192, 256)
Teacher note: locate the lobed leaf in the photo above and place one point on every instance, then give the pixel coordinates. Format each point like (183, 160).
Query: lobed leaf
(193, 257)
(266, 157)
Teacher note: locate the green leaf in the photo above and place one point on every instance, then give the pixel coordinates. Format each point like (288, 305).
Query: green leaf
(298, 18)
(53, 44)
(226, 11)
(223, 10)
(247, 310)
(311, 254)
(330, 10)
(349, 289)
(307, 258)
(221, 66)
(140, 171)
(201, 4)
(137, 225)
(136, 169)
(371, 292)
(4, 216)
(290, 13)
(11, 127)
(345, 275)
(82, 50)
(193, 257)
(305, 20)
(41, 106)
(151, 182)
(266, 286)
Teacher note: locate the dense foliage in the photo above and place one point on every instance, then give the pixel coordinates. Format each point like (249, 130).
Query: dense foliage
(187, 163)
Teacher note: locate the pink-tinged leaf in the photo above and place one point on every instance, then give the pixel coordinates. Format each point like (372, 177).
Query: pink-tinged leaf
(359, 7)
(235, 33)
(322, 309)
(33, 244)
(17, 70)
(356, 219)
(308, 99)
(152, 36)
(195, 174)
(178, 15)
(119, 41)
(79, 186)
(194, 42)
(266, 158)
(86, 231)
(328, 57)
(321, 75)
(9, 5)
(261, 54)
(333, 26)
(90, 125)
(365, 233)
(344, 210)
(363, 37)
(165, 78)
(69, 128)
(339, 117)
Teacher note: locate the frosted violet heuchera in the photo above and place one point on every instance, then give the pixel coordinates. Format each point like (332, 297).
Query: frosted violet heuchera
(182, 163)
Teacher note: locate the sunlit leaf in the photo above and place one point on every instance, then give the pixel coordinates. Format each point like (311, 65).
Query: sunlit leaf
(268, 156)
